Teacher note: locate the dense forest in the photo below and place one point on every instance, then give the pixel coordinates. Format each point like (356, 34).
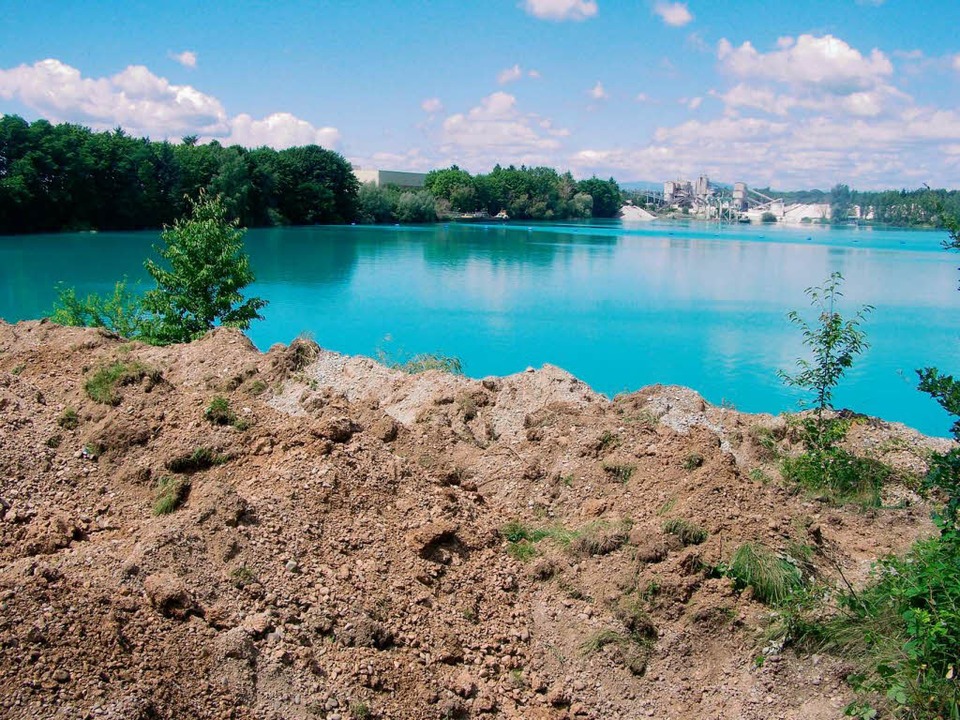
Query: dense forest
(68, 177)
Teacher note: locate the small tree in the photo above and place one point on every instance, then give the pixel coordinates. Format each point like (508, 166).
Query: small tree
(120, 313)
(207, 271)
(835, 342)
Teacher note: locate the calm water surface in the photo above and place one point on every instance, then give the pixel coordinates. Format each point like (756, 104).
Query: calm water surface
(619, 305)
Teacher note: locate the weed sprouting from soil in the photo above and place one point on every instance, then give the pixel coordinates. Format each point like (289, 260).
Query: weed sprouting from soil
(692, 461)
(621, 472)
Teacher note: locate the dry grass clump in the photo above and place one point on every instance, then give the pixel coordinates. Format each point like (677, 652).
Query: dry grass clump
(689, 533)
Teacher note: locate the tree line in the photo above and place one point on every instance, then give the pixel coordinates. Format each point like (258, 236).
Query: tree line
(922, 207)
(68, 177)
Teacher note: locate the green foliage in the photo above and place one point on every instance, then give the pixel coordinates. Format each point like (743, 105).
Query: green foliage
(688, 532)
(903, 629)
(600, 538)
(416, 207)
(218, 412)
(692, 461)
(203, 458)
(207, 271)
(375, 204)
(768, 217)
(67, 177)
(525, 193)
(621, 472)
(170, 495)
(835, 343)
(422, 362)
(120, 313)
(838, 475)
(69, 420)
(944, 472)
(103, 385)
(772, 578)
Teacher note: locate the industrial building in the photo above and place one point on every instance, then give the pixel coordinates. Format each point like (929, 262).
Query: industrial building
(391, 177)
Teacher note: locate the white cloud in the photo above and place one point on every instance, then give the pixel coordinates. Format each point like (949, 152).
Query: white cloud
(694, 103)
(187, 58)
(135, 99)
(642, 97)
(432, 105)
(674, 14)
(509, 75)
(496, 131)
(279, 130)
(561, 9)
(956, 62)
(148, 105)
(597, 92)
(825, 62)
(534, 74)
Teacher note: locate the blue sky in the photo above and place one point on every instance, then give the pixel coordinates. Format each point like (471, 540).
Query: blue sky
(802, 94)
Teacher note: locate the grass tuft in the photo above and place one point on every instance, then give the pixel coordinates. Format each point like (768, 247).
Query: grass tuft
(838, 475)
(203, 458)
(103, 386)
(621, 472)
(688, 532)
(171, 494)
(69, 420)
(772, 578)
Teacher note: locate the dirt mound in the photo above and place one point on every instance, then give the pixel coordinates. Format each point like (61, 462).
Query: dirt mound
(343, 540)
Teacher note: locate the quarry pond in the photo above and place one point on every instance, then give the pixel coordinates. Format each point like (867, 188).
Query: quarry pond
(619, 305)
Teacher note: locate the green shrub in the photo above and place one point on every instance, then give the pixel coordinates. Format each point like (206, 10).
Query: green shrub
(103, 386)
(69, 420)
(903, 630)
(688, 532)
(218, 412)
(119, 313)
(838, 475)
(772, 578)
(171, 494)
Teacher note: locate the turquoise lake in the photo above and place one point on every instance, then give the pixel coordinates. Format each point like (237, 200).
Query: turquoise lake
(618, 305)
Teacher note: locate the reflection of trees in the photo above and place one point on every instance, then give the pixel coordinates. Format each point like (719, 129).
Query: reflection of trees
(308, 255)
(455, 245)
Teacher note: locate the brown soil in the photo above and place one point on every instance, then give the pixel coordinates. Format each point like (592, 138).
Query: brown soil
(338, 550)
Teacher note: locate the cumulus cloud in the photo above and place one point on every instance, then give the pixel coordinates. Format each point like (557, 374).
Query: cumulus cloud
(279, 130)
(134, 99)
(561, 9)
(810, 112)
(597, 92)
(825, 62)
(496, 131)
(432, 105)
(146, 104)
(187, 58)
(694, 103)
(675, 14)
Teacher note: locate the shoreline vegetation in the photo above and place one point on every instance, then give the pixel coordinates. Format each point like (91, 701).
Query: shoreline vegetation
(68, 178)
